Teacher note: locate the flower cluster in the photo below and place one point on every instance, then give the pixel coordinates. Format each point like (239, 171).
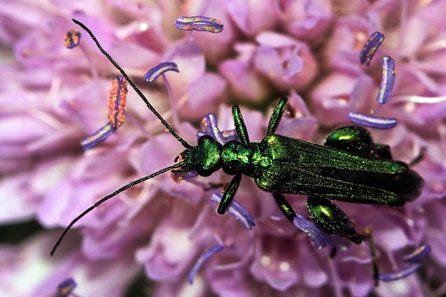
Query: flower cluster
(54, 87)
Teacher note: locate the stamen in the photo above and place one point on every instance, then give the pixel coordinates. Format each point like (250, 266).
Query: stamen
(420, 99)
(237, 210)
(210, 127)
(178, 175)
(371, 121)
(66, 287)
(159, 69)
(387, 80)
(99, 136)
(370, 47)
(201, 260)
(72, 38)
(117, 101)
(311, 230)
(414, 258)
(402, 273)
(154, 73)
(199, 23)
(175, 118)
(418, 254)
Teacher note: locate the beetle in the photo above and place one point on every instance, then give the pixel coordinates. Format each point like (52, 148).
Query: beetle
(348, 167)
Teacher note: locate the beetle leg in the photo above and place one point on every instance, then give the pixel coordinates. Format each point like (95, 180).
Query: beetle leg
(419, 157)
(353, 139)
(276, 116)
(239, 123)
(284, 206)
(229, 193)
(382, 151)
(368, 236)
(333, 252)
(331, 219)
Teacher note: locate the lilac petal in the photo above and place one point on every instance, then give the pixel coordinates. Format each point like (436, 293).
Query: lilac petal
(295, 64)
(362, 88)
(309, 19)
(245, 82)
(358, 282)
(159, 69)
(402, 273)
(190, 59)
(170, 251)
(275, 40)
(370, 47)
(66, 287)
(210, 127)
(72, 39)
(23, 128)
(17, 205)
(252, 17)
(416, 255)
(203, 94)
(274, 261)
(199, 23)
(133, 55)
(311, 230)
(330, 98)
(371, 121)
(177, 288)
(117, 100)
(313, 274)
(387, 80)
(268, 61)
(201, 260)
(99, 136)
(237, 211)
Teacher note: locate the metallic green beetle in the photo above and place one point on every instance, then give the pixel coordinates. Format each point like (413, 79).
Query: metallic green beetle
(349, 167)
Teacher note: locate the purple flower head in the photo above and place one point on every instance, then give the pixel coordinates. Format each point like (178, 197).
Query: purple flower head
(51, 98)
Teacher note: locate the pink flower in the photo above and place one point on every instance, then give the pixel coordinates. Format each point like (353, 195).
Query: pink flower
(52, 97)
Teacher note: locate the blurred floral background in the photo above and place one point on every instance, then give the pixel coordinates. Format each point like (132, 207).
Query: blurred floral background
(144, 241)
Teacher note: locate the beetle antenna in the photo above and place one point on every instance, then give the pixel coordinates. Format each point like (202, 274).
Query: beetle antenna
(102, 200)
(171, 130)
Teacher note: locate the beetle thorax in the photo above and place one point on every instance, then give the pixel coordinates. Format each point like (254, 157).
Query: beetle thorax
(241, 158)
